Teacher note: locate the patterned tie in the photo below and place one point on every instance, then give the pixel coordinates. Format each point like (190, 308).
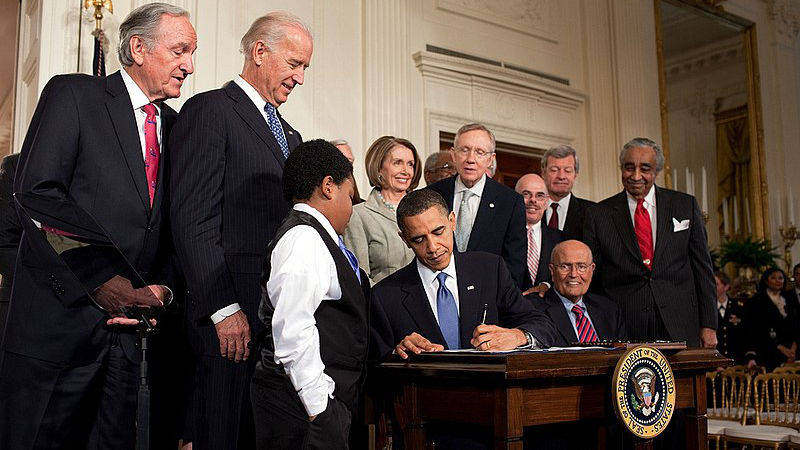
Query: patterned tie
(553, 222)
(464, 221)
(152, 151)
(448, 314)
(644, 233)
(276, 128)
(351, 258)
(533, 256)
(585, 329)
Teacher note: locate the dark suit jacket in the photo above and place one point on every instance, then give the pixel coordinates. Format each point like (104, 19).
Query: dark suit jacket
(573, 225)
(550, 237)
(400, 306)
(732, 331)
(227, 203)
(604, 314)
(82, 151)
(10, 229)
(767, 328)
(499, 226)
(681, 283)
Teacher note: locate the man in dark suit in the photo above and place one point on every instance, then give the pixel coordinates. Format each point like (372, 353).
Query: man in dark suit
(541, 239)
(565, 211)
(651, 252)
(477, 306)
(577, 315)
(10, 233)
(230, 147)
(69, 370)
(490, 217)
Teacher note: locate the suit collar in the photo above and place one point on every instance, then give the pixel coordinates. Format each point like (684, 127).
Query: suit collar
(469, 298)
(120, 109)
(555, 309)
(374, 204)
(624, 226)
(485, 213)
(248, 111)
(664, 214)
(601, 320)
(415, 301)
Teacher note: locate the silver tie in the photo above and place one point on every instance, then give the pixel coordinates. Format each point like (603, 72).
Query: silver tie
(464, 221)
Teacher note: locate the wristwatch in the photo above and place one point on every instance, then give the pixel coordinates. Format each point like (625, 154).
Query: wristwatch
(528, 337)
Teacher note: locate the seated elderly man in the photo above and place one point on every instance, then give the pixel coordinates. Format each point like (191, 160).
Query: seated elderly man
(577, 315)
(449, 300)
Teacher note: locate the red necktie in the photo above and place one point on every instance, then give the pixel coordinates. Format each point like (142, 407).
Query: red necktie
(644, 233)
(152, 151)
(553, 222)
(585, 329)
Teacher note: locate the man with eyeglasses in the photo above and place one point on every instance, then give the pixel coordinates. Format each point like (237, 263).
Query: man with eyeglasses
(490, 217)
(439, 166)
(564, 211)
(541, 239)
(577, 315)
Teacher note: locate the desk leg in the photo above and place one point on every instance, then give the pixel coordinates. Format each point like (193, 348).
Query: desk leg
(696, 422)
(508, 418)
(412, 426)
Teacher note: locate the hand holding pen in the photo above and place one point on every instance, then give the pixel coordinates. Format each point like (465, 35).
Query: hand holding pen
(491, 337)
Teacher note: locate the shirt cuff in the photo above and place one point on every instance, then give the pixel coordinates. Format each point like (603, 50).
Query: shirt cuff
(315, 397)
(223, 313)
(546, 284)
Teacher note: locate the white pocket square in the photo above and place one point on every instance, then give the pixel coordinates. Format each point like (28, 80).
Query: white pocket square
(679, 226)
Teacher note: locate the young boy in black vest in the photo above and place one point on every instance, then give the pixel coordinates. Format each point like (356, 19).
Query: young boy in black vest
(306, 386)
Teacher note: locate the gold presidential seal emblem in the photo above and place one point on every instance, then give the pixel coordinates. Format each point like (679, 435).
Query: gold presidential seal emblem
(644, 391)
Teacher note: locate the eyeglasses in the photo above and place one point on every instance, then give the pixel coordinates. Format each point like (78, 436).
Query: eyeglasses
(582, 268)
(539, 196)
(479, 152)
(445, 167)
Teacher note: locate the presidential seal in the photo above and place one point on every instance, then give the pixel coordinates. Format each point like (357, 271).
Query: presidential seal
(644, 391)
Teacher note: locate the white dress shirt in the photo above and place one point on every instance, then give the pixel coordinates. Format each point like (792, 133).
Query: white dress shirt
(650, 205)
(138, 100)
(259, 101)
(431, 285)
(572, 319)
(303, 275)
(563, 209)
(474, 201)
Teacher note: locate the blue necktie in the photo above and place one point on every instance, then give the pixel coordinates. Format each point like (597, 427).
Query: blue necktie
(448, 314)
(351, 258)
(276, 128)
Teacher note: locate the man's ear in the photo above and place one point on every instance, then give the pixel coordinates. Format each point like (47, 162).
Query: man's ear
(327, 186)
(452, 219)
(403, 237)
(259, 52)
(138, 49)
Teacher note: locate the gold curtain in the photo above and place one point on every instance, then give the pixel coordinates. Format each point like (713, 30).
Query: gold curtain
(733, 171)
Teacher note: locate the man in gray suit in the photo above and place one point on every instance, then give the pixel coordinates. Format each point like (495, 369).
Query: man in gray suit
(651, 251)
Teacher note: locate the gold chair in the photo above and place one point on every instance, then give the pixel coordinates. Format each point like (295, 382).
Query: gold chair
(786, 368)
(729, 404)
(777, 416)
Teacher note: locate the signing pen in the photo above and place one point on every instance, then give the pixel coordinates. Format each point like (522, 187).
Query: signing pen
(485, 310)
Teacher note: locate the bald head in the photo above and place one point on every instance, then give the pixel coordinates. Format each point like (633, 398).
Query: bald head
(572, 268)
(534, 193)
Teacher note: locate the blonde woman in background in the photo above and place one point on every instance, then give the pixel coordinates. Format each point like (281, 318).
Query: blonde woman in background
(393, 169)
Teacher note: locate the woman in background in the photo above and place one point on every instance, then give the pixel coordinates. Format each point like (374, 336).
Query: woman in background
(393, 169)
(771, 321)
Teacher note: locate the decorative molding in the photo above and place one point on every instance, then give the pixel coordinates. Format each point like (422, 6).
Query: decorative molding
(786, 16)
(715, 55)
(533, 89)
(532, 17)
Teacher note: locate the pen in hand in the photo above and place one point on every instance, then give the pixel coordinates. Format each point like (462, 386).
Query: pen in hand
(485, 310)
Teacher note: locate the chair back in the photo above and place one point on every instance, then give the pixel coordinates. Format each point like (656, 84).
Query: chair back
(777, 396)
(732, 399)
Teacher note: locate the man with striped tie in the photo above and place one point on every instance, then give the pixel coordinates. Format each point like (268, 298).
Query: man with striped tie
(577, 315)
(541, 238)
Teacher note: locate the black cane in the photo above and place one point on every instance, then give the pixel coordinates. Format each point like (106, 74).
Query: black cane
(143, 397)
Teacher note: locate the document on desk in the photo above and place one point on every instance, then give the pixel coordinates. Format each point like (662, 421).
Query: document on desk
(528, 350)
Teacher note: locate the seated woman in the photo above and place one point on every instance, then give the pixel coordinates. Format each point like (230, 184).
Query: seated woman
(771, 321)
(393, 169)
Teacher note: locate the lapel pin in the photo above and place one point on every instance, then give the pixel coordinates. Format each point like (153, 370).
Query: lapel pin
(491, 205)
(290, 132)
(470, 287)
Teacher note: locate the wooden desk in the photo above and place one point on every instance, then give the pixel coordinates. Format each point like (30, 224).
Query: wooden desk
(515, 390)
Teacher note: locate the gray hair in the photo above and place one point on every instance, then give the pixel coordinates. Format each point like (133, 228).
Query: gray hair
(643, 142)
(430, 161)
(271, 29)
(472, 127)
(336, 142)
(493, 167)
(143, 22)
(560, 152)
